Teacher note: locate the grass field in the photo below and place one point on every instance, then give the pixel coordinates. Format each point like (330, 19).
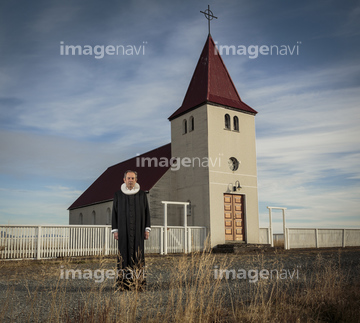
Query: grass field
(311, 286)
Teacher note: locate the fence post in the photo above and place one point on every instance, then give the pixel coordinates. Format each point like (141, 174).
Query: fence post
(161, 240)
(106, 244)
(284, 229)
(316, 238)
(185, 229)
(39, 242)
(165, 228)
(189, 238)
(288, 238)
(270, 229)
(343, 239)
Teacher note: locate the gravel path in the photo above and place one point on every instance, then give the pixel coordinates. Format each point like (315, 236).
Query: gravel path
(32, 291)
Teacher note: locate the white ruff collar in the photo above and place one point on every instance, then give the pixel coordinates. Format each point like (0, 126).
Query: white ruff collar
(126, 191)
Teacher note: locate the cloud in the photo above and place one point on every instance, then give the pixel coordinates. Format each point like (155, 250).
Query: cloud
(65, 119)
(42, 206)
(308, 147)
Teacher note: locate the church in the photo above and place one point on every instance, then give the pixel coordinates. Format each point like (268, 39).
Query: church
(210, 163)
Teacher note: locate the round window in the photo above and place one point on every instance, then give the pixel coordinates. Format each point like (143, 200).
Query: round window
(233, 163)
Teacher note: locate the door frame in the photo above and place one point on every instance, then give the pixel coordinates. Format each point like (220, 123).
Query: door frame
(244, 216)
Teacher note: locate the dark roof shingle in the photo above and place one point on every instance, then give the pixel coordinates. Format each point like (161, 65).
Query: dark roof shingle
(104, 188)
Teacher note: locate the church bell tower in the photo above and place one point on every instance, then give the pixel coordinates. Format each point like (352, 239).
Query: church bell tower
(213, 139)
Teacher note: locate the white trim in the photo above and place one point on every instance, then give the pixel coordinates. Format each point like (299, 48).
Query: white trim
(185, 204)
(284, 225)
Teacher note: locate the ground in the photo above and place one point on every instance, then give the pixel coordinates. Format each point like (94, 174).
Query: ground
(314, 285)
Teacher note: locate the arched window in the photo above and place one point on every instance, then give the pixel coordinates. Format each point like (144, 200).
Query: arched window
(236, 123)
(227, 121)
(184, 126)
(81, 218)
(108, 216)
(191, 124)
(93, 217)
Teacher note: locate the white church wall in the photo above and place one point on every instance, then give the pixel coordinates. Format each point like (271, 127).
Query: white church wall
(97, 214)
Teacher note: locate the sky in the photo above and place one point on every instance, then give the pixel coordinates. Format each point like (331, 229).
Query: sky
(65, 118)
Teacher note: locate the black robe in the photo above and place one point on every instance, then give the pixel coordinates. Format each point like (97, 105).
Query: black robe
(131, 237)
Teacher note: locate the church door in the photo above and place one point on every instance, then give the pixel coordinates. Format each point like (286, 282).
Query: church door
(234, 217)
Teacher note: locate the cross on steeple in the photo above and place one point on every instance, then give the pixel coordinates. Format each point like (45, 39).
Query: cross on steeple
(208, 15)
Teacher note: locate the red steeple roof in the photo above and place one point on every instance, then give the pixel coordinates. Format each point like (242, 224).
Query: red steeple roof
(211, 82)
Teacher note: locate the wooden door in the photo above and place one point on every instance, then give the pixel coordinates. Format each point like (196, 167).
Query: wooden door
(234, 217)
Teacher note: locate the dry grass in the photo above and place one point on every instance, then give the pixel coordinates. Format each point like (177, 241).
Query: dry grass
(279, 243)
(324, 295)
(183, 289)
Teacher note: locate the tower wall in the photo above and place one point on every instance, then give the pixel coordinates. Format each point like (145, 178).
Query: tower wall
(204, 183)
(190, 181)
(223, 144)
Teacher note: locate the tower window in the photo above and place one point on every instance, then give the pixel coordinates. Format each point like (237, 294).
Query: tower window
(184, 126)
(227, 122)
(236, 123)
(191, 124)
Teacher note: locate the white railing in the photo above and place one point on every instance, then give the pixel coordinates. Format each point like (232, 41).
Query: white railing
(314, 238)
(175, 239)
(323, 238)
(38, 242)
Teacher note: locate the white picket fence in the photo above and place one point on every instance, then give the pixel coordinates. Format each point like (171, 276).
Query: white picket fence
(39, 242)
(315, 238)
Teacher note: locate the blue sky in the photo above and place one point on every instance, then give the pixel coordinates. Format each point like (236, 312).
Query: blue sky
(65, 118)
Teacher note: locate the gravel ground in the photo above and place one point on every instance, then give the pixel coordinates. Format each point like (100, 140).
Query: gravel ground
(33, 291)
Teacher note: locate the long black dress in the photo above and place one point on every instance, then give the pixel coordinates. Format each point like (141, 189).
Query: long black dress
(130, 216)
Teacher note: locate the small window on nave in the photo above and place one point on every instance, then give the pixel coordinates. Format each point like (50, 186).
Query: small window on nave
(93, 217)
(108, 216)
(191, 124)
(184, 126)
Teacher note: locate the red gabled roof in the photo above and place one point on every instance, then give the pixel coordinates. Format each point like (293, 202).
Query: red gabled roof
(211, 82)
(104, 188)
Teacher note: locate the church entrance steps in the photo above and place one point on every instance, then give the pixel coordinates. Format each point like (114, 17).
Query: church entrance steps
(241, 247)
